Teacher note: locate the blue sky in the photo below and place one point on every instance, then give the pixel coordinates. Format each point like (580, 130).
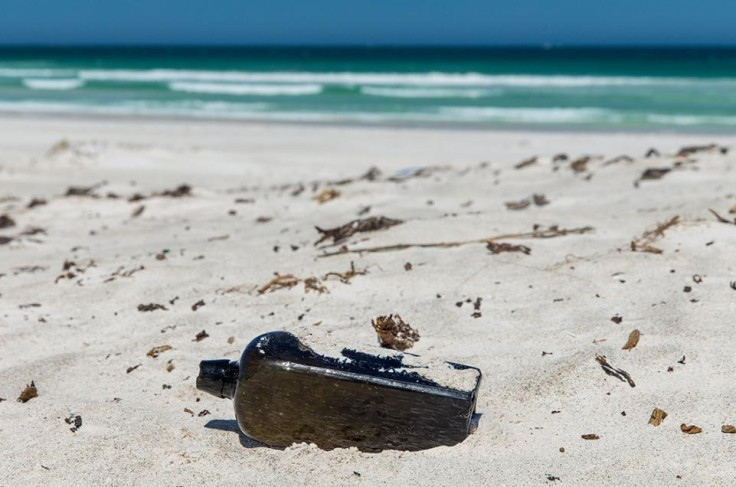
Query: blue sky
(499, 22)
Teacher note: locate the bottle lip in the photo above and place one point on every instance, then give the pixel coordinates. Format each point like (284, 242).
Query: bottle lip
(218, 377)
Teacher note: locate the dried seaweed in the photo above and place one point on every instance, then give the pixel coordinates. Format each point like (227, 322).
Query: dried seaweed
(690, 429)
(654, 173)
(279, 282)
(198, 305)
(632, 341)
(36, 202)
(620, 374)
(721, 219)
(6, 221)
(28, 393)
(616, 160)
(581, 164)
(657, 417)
(692, 149)
(645, 242)
(500, 247)
(200, 336)
(728, 428)
(326, 195)
(131, 369)
(314, 284)
(617, 319)
(347, 275)
(526, 162)
(178, 192)
(518, 205)
(538, 232)
(138, 211)
(371, 224)
(590, 436)
(156, 351)
(394, 333)
(151, 307)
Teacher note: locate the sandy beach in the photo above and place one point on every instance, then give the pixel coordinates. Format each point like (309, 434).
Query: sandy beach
(104, 217)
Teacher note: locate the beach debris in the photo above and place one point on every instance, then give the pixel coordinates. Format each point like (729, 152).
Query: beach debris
(500, 247)
(198, 305)
(156, 351)
(178, 192)
(144, 308)
(84, 190)
(189, 411)
(370, 224)
(732, 285)
(617, 159)
(559, 157)
(326, 195)
(28, 393)
(202, 413)
(200, 336)
(617, 319)
(372, 174)
(697, 278)
(732, 210)
(646, 241)
(345, 277)
(518, 205)
(75, 421)
(553, 478)
(632, 341)
(264, 219)
(394, 333)
(314, 284)
(526, 162)
(476, 307)
(6, 221)
(279, 282)
(590, 436)
(690, 429)
(407, 266)
(657, 417)
(652, 152)
(170, 365)
(580, 164)
(540, 200)
(131, 369)
(138, 211)
(728, 428)
(620, 374)
(654, 173)
(5, 240)
(682, 360)
(721, 219)
(692, 149)
(537, 232)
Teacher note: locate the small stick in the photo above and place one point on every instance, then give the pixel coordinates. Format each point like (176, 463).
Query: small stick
(543, 233)
(620, 374)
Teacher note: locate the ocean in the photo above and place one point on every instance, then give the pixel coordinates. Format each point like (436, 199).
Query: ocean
(599, 88)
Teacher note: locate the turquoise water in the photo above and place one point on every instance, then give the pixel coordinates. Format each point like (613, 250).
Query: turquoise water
(660, 89)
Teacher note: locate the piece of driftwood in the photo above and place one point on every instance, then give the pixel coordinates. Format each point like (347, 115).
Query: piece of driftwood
(550, 232)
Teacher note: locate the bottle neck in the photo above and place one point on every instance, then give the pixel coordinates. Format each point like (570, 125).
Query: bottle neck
(218, 377)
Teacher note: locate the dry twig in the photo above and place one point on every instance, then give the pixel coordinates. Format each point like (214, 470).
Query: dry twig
(620, 374)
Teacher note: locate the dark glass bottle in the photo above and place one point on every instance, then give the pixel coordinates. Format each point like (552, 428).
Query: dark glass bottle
(286, 390)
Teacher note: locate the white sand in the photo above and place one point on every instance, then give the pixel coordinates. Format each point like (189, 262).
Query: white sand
(87, 331)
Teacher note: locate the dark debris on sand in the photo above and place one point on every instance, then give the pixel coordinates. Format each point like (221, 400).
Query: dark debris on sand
(371, 224)
(394, 333)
